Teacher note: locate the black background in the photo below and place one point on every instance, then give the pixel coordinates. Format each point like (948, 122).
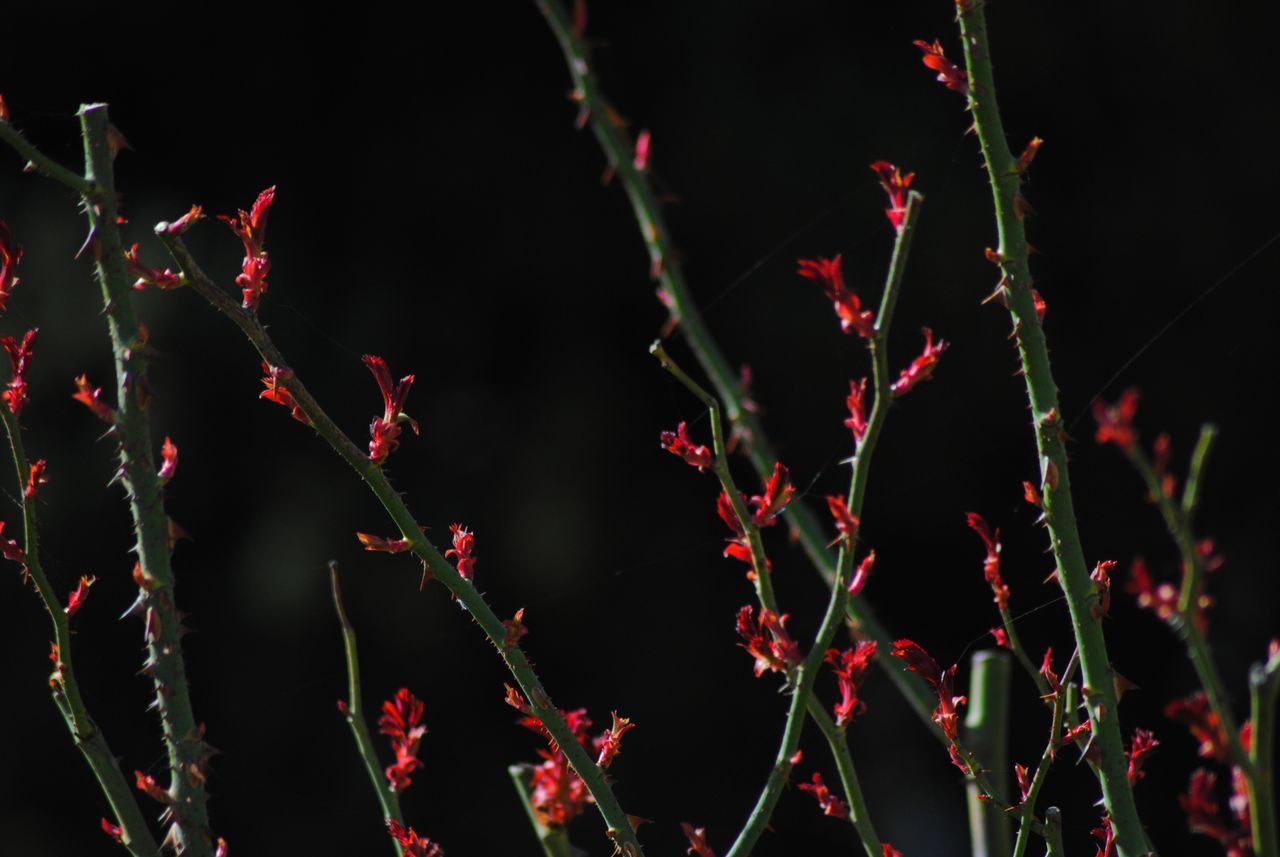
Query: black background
(435, 206)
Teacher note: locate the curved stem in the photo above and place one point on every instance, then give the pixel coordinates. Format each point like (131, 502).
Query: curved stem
(806, 526)
(387, 799)
(619, 826)
(182, 734)
(1042, 394)
(40, 162)
(88, 738)
(1046, 761)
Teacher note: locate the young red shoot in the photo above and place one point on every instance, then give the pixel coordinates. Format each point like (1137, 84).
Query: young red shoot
(697, 837)
(168, 461)
(113, 830)
(990, 565)
(413, 844)
(276, 382)
(1115, 422)
(463, 550)
(1144, 743)
(679, 443)
(948, 74)
(36, 477)
(251, 228)
(895, 184)
(921, 368)
(850, 668)
(1197, 715)
(857, 403)
(922, 664)
(385, 545)
(19, 351)
(778, 492)
(162, 279)
(384, 431)
(401, 721)
(79, 595)
(831, 805)
(91, 397)
(848, 306)
(766, 639)
(10, 550)
(10, 256)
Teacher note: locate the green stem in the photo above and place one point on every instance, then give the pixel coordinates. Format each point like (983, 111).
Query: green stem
(42, 164)
(1042, 393)
(986, 731)
(554, 840)
(859, 814)
(88, 738)
(1195, 474)
(1046, 761)
(1264, 681)
(182, 734)
(387, 799)
(1053, 833)
(619, 827)
(806, 526)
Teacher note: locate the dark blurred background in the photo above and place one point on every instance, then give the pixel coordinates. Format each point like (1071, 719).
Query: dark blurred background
(435, 206)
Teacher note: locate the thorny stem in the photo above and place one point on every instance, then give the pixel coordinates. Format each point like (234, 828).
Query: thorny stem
(762, 580)
(1042, 393)
(619, 827)
(88, 738)
(806, 526)
(986, 730)
(182, 735)
(807, 673)
(38, 161)
(1015, 645)
(554, 840)
(355, 718)
(1264, 681)
(1046, 761)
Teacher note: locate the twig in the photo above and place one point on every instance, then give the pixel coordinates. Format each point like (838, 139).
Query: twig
(1042, 393)
(986, 730)
(354, 713)
(88, 738)
(1264, 681)
(554, 840)
(41, 163)
(619, 826)
(1046, 761)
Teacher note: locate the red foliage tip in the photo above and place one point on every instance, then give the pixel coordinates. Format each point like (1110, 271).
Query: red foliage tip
(1046, 670)
(35, 479)
(385, 545)
(830, 804)
(644, 145)
(276, 391)
(846, 521)
(1031, 494)
(890, 851)
(10, 550)
(1101, 577)
(862, 573)
(1144, 743)
(778, 492)
(609, 744)
(4, 110)
(948, 75)
(1106, 838)
(251, 228)
(766, 639)
(91, 397)
(413, 844)
(113, 830)
(169, 461)
(1204, 815)
(515, 629)
(384, 431)
(183, 223)
(895, 184)
(1002, 638)
(162, 279)
(401, 721)
(921, 368)
(857, 404)
(697, 837)
(679, 443)
(10, 256)
(922, 664)
(79, 595)
(20, 352)
(463, 550)
(1024, 780)
(146, 784)
(1115, 422)
(1197, 715)
(850, 667)
(848, 306)
(1028, 154)
(1161, 599)
(990, 565)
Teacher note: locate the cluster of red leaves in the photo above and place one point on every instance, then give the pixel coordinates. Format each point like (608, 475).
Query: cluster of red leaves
(168, 461)
(91, 397)
(380, 543)
(1204, 814)
(10, 256)
(850, 668)
(19, 351)
(848, 306)
(948, 74)
(846, 521)
(79, 596)
(1161, 599)
(990, 565)
(1144, 743)
(161, 279)
(401, 721)
(10, 550)
(463, 550)
(413, 844)
(766, 639)
(697, 837)
(680, 444)
(895, 185)
(921, 368)
(829, 803)
(384, 431)
(1115, 422)
(558, 794)
(1198, 716)
(919, 661)
(857, 403)
(36, 477)
(276, 381)
(764, 510)
(251, 228)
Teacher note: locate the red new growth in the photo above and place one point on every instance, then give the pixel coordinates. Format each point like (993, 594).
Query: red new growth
(183, 223)
(679, 443)
(766, 639)
(1024, 780)
(79, 596)
(919, 662)
(1197, 715)
(697, 837)
(778, 492)
(401, 721)
(948, 74)
(146, 784)
(15, 395)
(1046, 669)
(643, 146)
(9, 549)
(1144, 743)
(830, 804)
(1115, 422)
(921, 369)
(113, 830)
(739, 547)
(10, 256)
(609, 744)
(161, 279)
(857, 403)
(890, 851)
(413, 844)
(385, 545)
(251, 228)
(91, 397)
(463, 550)
(862, 573)
(1101, 577)
(1162, 599)
(384, 431)
(991, 565)
(169, 461)
(850, 667)
(895, 184)
(276, 390)
(846, 522)
(847, 304)
(35, 479)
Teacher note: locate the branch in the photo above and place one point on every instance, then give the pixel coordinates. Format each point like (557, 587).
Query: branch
(619, 826)
(554, 840)
(1264, 682)
(1046, 761)
(41, 163)
(1042, 393)
(354, 714)
(986, 730)
(134, 833)
(806, 527)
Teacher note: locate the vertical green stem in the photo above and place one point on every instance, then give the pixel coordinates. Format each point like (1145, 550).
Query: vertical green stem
(986, 733)
(1264, 680)
(182, 734)
(1053, 833)
(387, 799)
(553, 840)
(1042, 394)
